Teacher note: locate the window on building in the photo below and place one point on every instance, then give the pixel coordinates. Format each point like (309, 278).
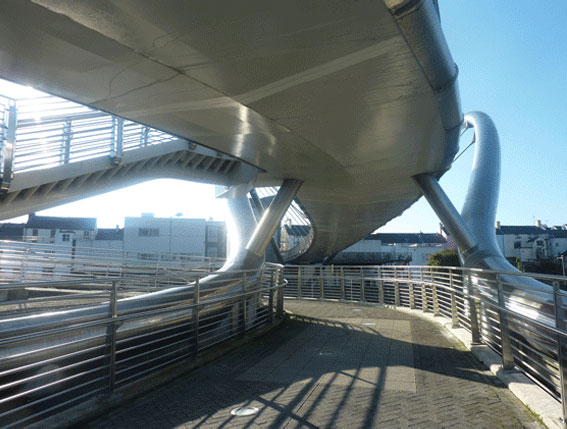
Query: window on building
(52, 233)
(35, 232)
(147, 256)
(517, 244)
(86, 234)
(66, 237)
(539, 243)
(148, 232)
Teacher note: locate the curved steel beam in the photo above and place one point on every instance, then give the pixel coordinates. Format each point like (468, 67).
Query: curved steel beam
(473, 229)
(481, 202)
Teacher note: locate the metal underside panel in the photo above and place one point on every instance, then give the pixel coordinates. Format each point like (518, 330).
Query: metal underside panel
(352, 98)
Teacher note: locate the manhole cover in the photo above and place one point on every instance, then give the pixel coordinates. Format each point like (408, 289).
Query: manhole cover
(244, 411)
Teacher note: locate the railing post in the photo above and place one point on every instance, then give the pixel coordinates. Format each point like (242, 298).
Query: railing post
(505, 340)
(196, 308)
(434, 294)
(411, 291)
(244, 296)
(117, 134)
(380, 286)
(8, 149)
(321, 284)
(280, 303)
(144, 136)
(561, 356)
(66, 142)
(299, 282)
(271, 298)
(475, 331)
(362, 291)
(454, 308)
(343, 296)
(396, 288)
(112, 335)
(423, 291)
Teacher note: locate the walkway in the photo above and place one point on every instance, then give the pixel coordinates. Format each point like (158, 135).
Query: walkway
(335, 365)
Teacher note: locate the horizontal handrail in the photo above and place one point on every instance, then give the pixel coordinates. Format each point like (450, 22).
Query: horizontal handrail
(47, 131)
(525, 324)
(99, 352)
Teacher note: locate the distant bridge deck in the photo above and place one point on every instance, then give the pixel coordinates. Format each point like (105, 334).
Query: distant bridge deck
(335, 365)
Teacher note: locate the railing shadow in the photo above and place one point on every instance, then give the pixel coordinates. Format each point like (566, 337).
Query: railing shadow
(323, 358)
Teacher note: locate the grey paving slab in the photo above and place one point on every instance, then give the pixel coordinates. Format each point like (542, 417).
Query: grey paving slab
(335, 365)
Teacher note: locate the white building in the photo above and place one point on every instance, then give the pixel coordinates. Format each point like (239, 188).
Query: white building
(109, 238)
(61, 231)
(527, 243)
(149, 236)
(392, 248)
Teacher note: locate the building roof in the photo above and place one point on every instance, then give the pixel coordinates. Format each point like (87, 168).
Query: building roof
(14, 231)
(385, 238)
(110, 234)
(556, 232)
(64, 223)
(408, 238)
(520, 230)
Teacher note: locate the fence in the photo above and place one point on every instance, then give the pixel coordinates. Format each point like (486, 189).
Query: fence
(525, 325)
(52, 131)
(91, 339)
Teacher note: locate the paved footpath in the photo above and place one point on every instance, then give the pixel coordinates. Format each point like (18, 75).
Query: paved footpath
(335, 365)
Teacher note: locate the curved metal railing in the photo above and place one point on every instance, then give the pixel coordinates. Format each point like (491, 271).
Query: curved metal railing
(31, 261)
(92, 341)
(528, 327)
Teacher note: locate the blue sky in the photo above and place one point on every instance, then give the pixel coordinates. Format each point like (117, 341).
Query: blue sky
(512, 57)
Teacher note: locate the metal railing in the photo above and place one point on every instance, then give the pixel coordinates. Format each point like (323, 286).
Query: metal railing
(44, 262)
(528, 327)
(51, 131)
(47, 368)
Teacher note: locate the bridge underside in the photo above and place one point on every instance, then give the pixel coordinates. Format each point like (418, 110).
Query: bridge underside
(353, 98)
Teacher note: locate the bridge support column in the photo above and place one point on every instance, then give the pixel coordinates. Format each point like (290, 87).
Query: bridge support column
(272, 217)
(248, 239)
(260, 209)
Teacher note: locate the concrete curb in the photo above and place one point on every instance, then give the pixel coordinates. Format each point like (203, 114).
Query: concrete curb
(534, 397)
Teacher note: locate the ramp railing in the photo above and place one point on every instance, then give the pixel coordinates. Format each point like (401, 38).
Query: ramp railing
(44, 262)
(51, 131)
(528, 327)
(103, 344)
